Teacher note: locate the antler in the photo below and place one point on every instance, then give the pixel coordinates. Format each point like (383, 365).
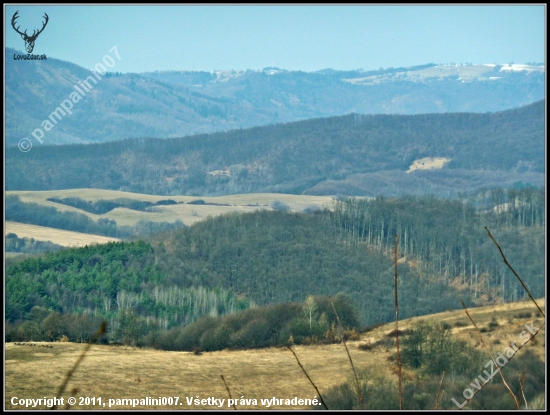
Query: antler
(35, 35)
(15, 16)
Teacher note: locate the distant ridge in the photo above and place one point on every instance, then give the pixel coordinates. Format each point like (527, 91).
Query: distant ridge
(184, 103)
(350, 155)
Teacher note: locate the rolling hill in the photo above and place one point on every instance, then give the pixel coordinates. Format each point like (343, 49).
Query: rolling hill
(188, 209)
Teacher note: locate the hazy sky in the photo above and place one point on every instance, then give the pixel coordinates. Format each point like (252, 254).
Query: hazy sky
(304, 38)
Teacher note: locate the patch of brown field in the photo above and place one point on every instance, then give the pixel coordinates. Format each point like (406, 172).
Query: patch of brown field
(219, 173)
(57, 236)
(116, 372)
(428, 163)
(189, 214)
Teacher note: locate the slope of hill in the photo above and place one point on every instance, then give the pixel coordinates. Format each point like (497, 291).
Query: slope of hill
(274, 256)
(175, 104)
(351, 155)
(272, 372)
(57, 236)
(188, 209)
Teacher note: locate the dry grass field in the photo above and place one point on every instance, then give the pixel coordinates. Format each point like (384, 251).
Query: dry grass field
(116, 372)
(57, 236)
(187, 213)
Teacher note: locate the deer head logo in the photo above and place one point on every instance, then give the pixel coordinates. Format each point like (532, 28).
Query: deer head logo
(29, 40)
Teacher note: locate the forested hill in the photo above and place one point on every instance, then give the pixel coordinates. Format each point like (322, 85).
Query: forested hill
(271, 257)
(350, 155)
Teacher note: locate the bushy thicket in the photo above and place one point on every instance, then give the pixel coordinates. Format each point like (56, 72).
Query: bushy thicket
(43, 324)
(29, 245)
(431, 348)
(100, 207)
(272, 325)
(426, 352)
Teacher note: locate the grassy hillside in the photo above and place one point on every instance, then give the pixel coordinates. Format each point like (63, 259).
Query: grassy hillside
(57, 236)
(351, 155)
(188, 213)
(115, 371)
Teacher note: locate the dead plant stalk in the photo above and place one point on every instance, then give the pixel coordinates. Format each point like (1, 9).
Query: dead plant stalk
(399, 374)
(102, 329)
(228, 392)
(438, 391)
(492, 358)
(310, 381)
(515, 273)
(349, 356)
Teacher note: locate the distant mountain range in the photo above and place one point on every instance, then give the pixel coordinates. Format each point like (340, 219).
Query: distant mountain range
(354, 154)
(183, 103)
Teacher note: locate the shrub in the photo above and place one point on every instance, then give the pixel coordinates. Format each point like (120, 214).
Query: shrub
(167, 202)
(351, 335)
(215, 338)
(349, 317)
(371, 328)
(401, 333)
(190, 336)
(256, 333)
(384, 342)
(266, 326)
(493, 324)
(299, 329)
(278, 205)
(419, 392)
(431, 348)
(365, 346)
